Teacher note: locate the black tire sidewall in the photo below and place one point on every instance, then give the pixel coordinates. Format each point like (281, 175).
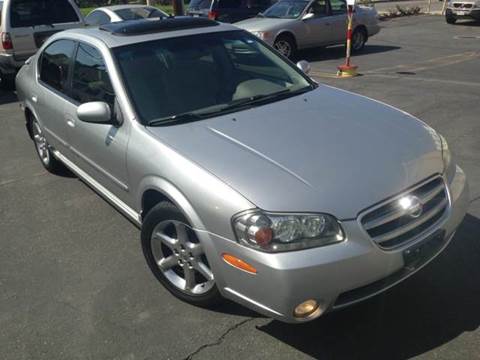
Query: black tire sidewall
(161, 212)
(365, 38)
(291, 42)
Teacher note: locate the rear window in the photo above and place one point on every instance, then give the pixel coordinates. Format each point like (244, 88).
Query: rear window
(26, 13)
(139, 13)
(200, 4)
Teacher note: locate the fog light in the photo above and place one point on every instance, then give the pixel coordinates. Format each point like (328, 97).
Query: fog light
(306, 309)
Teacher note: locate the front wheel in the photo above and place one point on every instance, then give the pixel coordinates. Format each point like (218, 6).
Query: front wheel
(285, 45)
(176, 257)
(359, 38)
(450, 19)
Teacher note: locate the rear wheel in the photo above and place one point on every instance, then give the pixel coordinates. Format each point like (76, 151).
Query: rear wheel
(285, 45)
(49, 162)
(176, 257)
(359, 38)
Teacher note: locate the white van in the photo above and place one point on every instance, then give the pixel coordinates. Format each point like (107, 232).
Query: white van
(26, 24)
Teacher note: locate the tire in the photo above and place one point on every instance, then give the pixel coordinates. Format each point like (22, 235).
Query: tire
(285, 45)
(44, 152)
(359, 39)
(450, 19)
(7, 82)
(176, 258)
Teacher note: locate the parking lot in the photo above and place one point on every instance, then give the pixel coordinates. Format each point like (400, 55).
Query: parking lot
(74, 283)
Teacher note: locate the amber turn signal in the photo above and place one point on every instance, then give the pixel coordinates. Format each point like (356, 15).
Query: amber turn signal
(238, 263)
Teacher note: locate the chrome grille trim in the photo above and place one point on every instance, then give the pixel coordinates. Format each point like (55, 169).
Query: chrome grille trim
(390, 226)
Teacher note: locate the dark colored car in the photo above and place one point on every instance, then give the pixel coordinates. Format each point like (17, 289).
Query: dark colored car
(229, 11)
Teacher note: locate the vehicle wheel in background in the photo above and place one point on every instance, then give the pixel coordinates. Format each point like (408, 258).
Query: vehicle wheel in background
(7, 82)
(176, 256)
(450, 18)
(359, 38)
(285, 45)
(49, 162)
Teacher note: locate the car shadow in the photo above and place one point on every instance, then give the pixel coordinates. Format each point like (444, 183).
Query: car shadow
(7, 97)
(338, 52)
(468, 23)
(427, 310)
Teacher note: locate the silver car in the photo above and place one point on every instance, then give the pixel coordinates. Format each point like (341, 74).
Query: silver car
(107, 14)
(248, 180)
(290, 25)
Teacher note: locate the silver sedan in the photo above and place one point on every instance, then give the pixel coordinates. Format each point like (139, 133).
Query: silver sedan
(290, 25)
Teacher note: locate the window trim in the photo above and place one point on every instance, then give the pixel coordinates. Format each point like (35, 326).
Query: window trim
(68, 94)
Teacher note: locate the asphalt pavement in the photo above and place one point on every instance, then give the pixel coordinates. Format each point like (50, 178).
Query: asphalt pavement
(74, 284)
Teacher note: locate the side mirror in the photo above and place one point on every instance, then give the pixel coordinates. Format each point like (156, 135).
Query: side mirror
(96, 112)
(304, 66)
(308, 16)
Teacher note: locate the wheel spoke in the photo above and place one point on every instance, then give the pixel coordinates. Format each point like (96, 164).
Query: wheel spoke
(182, 235)
(204, 270)
(167, 263)
(189, 278)
(166, 240)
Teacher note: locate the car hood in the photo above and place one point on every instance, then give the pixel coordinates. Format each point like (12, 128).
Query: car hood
(262, 24)
(324, 151)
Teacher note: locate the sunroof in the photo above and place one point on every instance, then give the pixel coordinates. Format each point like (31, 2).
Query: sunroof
(140, 27)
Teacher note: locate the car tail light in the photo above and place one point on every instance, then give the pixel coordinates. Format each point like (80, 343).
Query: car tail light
(212, 15)
(6, 41)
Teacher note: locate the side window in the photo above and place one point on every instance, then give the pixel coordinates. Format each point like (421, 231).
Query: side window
(90, 80)
(319, 8)
(55, 64)
(97, 18)
(338, 7)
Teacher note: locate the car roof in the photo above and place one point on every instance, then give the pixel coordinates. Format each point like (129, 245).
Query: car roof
(121, 7)
(112, 39)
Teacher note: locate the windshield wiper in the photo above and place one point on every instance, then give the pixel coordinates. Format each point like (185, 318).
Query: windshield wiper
(177, 119)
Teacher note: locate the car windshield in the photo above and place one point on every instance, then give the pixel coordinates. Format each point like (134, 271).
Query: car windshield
(25, 13)
(286, 9)
(140, 13)
(194, 77)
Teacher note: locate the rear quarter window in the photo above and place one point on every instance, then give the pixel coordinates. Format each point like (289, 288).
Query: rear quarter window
(25, 13)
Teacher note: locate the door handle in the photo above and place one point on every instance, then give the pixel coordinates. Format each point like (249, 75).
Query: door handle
(35, 98)
(71, 123)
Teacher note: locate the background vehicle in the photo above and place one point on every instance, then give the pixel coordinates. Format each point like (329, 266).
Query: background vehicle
(462, 10)
(290, 25)
(228, 11)
(291, 227)
(26, 24)
(108, 14)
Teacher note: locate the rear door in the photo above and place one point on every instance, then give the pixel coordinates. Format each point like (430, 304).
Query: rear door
(51, 96)
(31, 22)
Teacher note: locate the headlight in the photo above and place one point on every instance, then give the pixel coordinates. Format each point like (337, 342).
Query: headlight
(261, 34)
(272, 232)
(446, 155)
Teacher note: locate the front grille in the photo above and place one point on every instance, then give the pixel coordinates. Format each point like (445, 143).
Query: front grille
(390, 225)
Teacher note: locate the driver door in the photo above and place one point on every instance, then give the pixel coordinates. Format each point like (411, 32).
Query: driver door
(98, 149)
(317, 27)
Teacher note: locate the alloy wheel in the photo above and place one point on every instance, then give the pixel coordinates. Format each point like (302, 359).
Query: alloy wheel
(180, 257)
(358, 40)
(283, 47)
(41, 143)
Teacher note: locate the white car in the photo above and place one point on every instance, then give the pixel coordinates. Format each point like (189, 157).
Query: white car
(109, 14)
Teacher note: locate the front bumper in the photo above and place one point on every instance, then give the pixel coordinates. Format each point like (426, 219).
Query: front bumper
(461, 13)
(335, 276)
(9, 65)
